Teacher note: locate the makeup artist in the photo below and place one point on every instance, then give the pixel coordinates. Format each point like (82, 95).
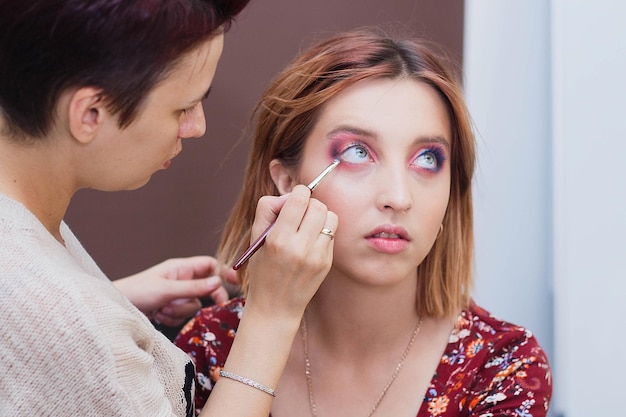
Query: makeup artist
(100, 94)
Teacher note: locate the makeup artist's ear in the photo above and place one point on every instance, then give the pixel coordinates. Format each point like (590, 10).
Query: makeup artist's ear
(86, 113)
(282, 176)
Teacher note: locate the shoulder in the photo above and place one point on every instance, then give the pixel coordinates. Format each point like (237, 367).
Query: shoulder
(498, 343)
(502, 366)
(479, 324)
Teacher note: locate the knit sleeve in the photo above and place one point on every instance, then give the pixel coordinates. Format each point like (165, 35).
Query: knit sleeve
(65, 353)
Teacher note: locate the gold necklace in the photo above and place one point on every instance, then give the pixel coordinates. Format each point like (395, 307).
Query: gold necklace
(309, 377)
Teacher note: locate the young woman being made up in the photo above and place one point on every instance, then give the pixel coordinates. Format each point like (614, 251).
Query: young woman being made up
(393, 330)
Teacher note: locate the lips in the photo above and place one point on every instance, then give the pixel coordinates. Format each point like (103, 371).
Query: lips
(389, 232)
(386, 235)
(389, 239)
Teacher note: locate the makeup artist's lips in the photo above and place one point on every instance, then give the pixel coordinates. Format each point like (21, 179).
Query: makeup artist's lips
(389, 239)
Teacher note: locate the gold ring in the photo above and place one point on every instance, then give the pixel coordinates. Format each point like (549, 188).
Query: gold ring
(328, 233)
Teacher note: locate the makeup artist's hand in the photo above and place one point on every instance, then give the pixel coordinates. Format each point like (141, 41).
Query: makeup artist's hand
(170, 292)
(287, 271)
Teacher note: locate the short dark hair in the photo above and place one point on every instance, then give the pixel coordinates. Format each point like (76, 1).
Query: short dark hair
(124, 47)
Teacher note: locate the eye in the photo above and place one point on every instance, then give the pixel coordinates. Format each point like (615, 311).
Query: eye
(355, 153)
(189, 109)
(430, 159)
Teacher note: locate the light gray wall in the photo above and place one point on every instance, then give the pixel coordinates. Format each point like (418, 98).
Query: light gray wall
(545, 84)
(507, 83)
(589, 89)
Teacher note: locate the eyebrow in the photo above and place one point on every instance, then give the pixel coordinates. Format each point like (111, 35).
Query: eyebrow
(204, 96)
(354, 130)
(434, 139)
(372, 134)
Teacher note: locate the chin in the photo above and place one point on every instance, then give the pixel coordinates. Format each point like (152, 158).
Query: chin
(123, 187)
(138, 184)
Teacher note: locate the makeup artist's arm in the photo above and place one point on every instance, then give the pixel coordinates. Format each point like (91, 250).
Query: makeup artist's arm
(284, 275)
(170, 292)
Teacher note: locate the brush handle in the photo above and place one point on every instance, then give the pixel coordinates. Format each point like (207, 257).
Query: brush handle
(253, 248)
(261, 239)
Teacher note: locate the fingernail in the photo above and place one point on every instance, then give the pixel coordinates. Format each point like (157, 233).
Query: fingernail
(213, 281)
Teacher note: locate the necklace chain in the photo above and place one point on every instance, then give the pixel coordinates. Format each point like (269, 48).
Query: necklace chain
(309, 376)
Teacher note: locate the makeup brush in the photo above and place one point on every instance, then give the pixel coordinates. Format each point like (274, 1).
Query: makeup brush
(261, 239)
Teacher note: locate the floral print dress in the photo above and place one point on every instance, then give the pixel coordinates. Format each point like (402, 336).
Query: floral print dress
(490, 368)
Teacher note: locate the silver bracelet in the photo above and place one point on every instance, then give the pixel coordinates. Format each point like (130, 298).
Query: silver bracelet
(248, 382)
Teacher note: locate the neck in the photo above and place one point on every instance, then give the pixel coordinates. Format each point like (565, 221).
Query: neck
(348, 316)
(35, 176)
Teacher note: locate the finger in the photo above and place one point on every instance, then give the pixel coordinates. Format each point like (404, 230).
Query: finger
(267, 211)
(295, 207)
(291, 215)
(314, 219)
(331, 224)
(194, 288)
(230, 276)
(324, 244)
(176, 314)
(194, 267)
(220, 295)
(326, 238)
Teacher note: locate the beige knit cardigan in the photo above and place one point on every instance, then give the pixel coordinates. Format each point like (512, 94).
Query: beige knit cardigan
(70, 343)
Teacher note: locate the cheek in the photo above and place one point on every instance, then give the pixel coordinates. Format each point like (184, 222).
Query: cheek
(346, 200)
(435, 211)
(439, 195)
(441, 202)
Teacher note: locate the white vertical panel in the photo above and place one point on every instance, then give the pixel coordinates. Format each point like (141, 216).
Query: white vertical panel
(589, 92)
(583, 156)
(507, 84)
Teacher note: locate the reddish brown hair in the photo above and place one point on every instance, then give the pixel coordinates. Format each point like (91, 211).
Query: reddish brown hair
(285, 117)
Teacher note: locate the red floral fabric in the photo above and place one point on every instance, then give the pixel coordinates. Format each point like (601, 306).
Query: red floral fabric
(490, 368)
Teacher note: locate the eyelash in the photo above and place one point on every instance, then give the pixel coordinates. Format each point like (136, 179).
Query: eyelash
(189, 109)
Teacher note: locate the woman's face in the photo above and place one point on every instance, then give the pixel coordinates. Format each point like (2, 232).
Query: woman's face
(171, 112)
(391, 189)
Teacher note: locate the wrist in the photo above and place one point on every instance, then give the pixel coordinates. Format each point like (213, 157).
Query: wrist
(261, 336)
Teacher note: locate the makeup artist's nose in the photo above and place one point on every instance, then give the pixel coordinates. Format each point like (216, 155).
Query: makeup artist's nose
(193, 123)
(394, 190)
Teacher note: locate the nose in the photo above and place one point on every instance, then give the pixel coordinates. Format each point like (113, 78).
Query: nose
(193, 123)
(395, 193)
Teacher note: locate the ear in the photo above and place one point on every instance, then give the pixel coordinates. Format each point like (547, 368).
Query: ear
(282, 176)
(86, 113)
